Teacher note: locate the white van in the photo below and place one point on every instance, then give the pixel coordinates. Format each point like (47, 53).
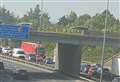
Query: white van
(18, 53)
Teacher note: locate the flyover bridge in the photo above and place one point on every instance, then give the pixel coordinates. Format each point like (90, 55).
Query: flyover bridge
(69, 47)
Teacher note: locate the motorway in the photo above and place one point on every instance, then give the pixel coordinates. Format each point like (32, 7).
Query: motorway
(36, 75)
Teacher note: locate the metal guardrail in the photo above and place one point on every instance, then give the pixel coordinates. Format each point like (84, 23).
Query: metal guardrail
(79, 32)
(60, 30)
(27, 62)
(37, 65)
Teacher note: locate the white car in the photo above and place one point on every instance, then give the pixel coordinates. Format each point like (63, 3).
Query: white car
(18, 53)
(6, 50)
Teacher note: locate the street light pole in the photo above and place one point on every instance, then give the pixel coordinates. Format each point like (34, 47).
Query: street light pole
(104, 41)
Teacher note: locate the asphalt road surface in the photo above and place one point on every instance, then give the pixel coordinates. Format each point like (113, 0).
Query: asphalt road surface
(35, 74)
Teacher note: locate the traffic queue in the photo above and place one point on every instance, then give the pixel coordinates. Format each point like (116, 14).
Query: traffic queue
(33, 52)
(94, 72)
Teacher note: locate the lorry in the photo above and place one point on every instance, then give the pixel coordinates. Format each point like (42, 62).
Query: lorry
(116, 69)
(33, 48)
(116, 66)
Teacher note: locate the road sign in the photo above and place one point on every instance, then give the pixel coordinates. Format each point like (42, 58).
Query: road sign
(20, 32)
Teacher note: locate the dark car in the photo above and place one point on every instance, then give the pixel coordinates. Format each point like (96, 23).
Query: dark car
(0, 50)
(21, 75)
(83, 68)
(31, 57)
(48, 61)
(107, 75)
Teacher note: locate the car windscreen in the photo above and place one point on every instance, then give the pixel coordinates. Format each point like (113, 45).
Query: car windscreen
(32, 55)
(7, 49)
(20, 52)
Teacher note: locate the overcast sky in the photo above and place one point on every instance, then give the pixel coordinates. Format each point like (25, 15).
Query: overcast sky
(58, 8)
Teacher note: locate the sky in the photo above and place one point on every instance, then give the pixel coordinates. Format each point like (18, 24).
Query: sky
(58, 8)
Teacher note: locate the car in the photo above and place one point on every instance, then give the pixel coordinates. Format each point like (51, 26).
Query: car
(2, 65)
(21, 75)
(83, 68)
(107, 75)
(30, 57)
(0, 49)
(6, 51)
(48, 61)
(18, 53)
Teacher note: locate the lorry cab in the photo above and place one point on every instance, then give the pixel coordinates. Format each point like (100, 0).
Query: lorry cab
(18, 53)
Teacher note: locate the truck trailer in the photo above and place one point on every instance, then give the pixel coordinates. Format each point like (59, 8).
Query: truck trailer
(33, 48)
(116, 66)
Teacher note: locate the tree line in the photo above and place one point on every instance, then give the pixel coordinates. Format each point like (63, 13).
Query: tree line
(39, 18)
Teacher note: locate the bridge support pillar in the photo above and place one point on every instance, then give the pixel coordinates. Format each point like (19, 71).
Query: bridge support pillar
(69, 58)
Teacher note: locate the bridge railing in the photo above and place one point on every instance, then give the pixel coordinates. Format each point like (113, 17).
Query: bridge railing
(60, 30)
(78, 31)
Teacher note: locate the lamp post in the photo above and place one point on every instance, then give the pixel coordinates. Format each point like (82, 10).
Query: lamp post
(104, 41)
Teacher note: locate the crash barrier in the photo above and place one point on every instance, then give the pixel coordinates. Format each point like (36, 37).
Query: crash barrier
(48, 67)
(88, 62)
(117, 79)
(86, 76)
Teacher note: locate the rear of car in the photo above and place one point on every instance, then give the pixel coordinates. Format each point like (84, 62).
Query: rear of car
(6, 51)
(83, 68)
(18, 53)
(48, 61)
(30, 57)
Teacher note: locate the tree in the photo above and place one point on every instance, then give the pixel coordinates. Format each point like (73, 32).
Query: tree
(6, 16)
(82, 20)
(98, 21)
(45, 19)
(36, 16)
(116, 26)
(30, 13)
(71, 18)
(25, 18)
(63, 21)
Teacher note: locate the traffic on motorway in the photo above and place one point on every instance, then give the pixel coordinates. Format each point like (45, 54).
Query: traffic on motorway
(33, 52)
(13, 72)
(94, 72)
